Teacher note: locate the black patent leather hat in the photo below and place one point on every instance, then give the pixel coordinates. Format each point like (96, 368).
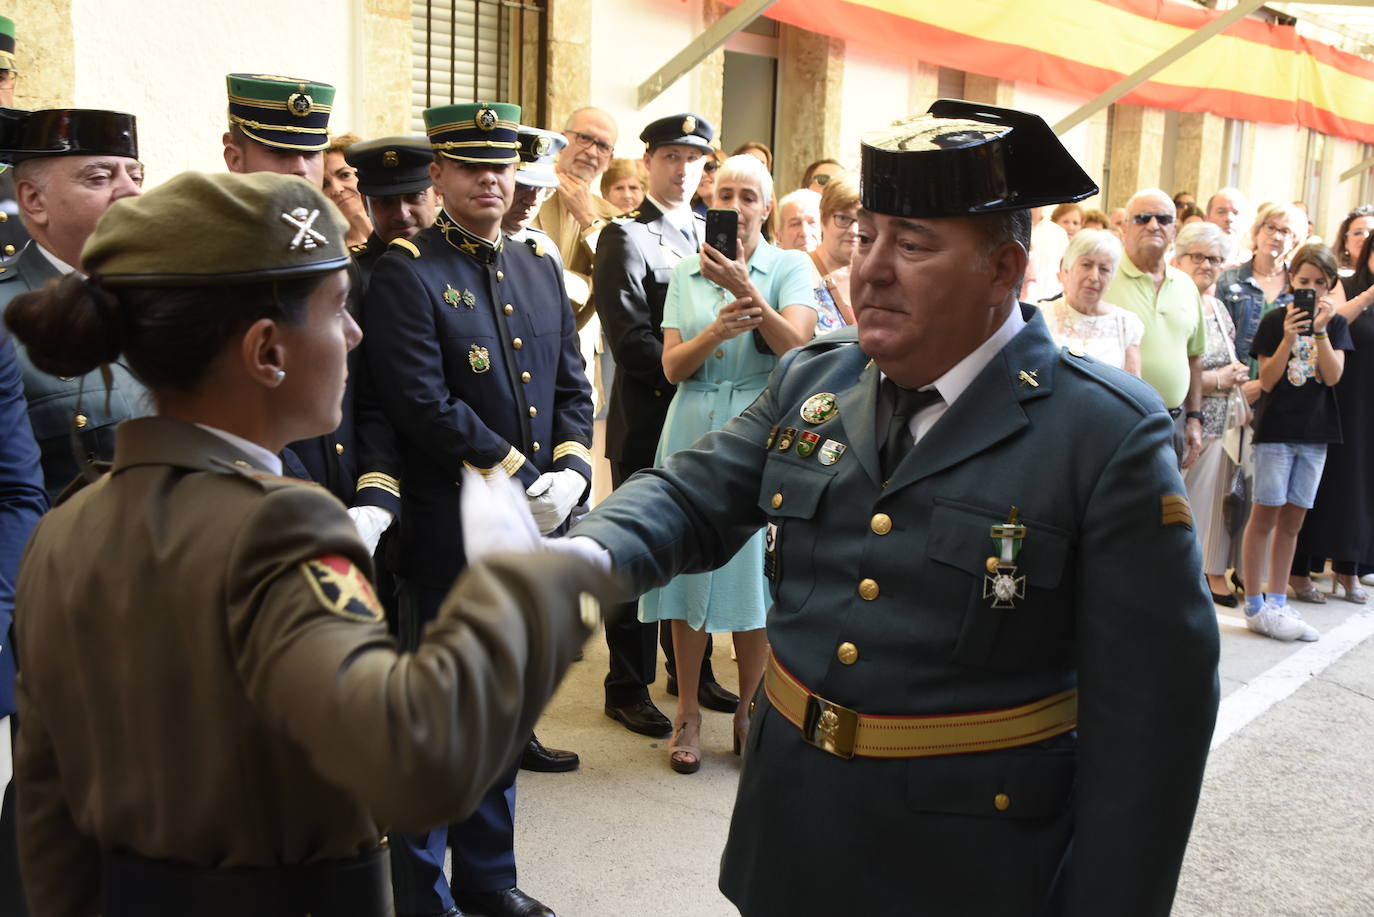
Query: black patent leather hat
(69, 132)
(963, 158)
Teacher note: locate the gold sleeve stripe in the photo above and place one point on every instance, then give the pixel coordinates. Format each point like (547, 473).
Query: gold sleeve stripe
(382, 481)
(1174, 510)
(510, 464)
(576, 450)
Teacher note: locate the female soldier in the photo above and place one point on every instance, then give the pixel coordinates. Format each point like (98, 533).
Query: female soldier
(214, 720)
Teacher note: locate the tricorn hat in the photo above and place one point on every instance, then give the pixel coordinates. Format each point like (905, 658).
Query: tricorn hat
(67, 132)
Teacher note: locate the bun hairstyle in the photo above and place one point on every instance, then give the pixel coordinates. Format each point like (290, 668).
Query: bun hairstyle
(69, 327)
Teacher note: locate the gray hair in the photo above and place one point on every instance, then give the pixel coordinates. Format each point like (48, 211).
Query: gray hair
(1148, 192)
(1092, 242)
(1202, 235)
(804, 196)
(747, 170)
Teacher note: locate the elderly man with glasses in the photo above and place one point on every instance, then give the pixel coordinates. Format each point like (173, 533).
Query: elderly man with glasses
(1167, 301)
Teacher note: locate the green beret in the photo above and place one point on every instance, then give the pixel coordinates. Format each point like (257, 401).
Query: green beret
(484, 132)
(281, 111)
(198, 230)
(6, 43)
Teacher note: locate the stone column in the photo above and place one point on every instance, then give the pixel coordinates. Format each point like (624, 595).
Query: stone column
(989, 90)
(1197, 154)
(1137, 150)
(568, 70)
(384, 35)
(708, 77)
(45, 53)
(811, 78)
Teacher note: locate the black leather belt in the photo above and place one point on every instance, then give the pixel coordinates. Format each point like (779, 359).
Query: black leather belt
(136, 886)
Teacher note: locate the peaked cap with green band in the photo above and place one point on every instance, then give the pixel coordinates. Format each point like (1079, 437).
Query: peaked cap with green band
(6, 43)
(484, 132)
(199, 230)
(281, 111)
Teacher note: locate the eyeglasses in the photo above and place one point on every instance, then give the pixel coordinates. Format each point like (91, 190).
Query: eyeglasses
(1277, 230)
(1198, 258)
(587, 140)
(843, 220)
(711, 165)
(1143, 219)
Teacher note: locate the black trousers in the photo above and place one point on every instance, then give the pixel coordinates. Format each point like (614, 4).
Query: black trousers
(634, 657)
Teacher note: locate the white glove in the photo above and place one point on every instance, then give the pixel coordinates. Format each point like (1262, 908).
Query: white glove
(371, 521)
(553, 495)
(496, 516)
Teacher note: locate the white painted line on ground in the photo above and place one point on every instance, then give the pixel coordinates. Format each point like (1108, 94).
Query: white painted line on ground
(1279, 681)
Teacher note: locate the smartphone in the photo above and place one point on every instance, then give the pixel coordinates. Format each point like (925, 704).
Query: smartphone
(722, 231)
(1306, 299)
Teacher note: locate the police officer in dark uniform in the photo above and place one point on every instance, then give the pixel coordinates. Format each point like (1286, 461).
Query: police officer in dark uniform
(393, 178)
(992, 680)
(13, 236)
(281, 124)
(634, 262)
(475, 355)
(79, 162)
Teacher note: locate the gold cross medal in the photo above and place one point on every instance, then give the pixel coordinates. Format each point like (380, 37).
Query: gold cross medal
(451, 296)
(1001, 584)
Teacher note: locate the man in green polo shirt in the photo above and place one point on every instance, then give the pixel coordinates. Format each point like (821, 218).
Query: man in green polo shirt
(1167, 301)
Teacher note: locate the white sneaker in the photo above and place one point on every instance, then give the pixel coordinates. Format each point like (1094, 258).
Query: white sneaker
(1272, 621)
(1368, 579)
(1309, 633)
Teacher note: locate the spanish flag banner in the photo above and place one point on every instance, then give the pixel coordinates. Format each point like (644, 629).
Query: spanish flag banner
(1252, 71)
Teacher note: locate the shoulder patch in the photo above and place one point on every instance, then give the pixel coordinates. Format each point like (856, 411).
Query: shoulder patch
(342, 588)
(1175, 510)
(405, 245)
(536, 246)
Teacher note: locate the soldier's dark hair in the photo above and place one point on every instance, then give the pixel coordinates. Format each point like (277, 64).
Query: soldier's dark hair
(168, 336)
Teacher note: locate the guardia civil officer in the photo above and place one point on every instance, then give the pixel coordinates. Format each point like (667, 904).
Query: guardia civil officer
(243, 730)
(474, 353)
(993, 678)
(13, 236)
(634, 262)
(393, 178)
(281, 124)
(70, 165)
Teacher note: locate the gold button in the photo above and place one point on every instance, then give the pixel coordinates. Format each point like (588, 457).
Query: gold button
(1076, 351)
(991, 564)
(500, 275)
(534, 411)
(868, 589)
(9, 249)
(535, 446)
(1002, 802)
(525, 377)
(777, 500)
(517, 343)
(881, 524)
(80, 421)
(848, 653)
(509, 309)
(4, 217)
(338, 447)
(657, 393)
(719, 354)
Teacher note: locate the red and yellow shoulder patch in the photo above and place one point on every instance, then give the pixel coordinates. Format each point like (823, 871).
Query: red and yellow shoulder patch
(342, 588)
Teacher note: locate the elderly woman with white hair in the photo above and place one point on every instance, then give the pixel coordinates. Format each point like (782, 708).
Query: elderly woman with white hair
(1080, 318)
(727, 318)
(1199, 251)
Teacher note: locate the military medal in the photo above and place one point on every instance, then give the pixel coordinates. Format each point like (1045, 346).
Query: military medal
(785, 440)
(451, 296)
(806, 444)
(819, 408)
(469, 298)
(772, 435)
(479, 359)
(1001, 584)
(830, 452)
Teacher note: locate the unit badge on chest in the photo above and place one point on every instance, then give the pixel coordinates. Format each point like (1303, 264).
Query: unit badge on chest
(479, 359)
(806, 444)
(1002, 584)
(819, 408)
(830, 452)
(785, 438)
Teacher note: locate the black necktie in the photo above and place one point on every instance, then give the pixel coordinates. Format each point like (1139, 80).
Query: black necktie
(906, 403)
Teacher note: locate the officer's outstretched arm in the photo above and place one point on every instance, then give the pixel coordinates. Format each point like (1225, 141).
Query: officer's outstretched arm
(418, 736)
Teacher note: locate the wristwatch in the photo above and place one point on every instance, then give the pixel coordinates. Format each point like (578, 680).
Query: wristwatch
(1195, 415)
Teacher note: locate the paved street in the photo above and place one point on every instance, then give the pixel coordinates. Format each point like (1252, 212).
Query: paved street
(1285, 825)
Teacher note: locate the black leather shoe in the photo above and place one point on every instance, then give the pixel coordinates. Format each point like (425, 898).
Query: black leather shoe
(536, 757)
(710, 695)
(642, 717)
(510, 903)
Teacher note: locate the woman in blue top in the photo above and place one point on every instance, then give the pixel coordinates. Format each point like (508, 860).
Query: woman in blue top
(715, 304)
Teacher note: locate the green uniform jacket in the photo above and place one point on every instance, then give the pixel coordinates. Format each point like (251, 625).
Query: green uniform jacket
(1097, 821)
(207, 677)
(63, 408)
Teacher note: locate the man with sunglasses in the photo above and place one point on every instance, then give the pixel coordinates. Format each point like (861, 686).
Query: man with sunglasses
(1167, 301)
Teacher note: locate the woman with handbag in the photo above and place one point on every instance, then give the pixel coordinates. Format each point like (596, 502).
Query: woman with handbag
(1200, 251)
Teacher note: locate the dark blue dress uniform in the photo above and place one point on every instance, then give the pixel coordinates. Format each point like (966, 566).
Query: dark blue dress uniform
(992, 680)
(474, 351)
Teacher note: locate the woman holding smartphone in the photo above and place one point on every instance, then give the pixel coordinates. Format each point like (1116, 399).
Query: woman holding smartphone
(716, 301)
(1300, 346)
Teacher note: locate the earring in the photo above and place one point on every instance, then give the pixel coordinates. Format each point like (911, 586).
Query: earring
(281, 374)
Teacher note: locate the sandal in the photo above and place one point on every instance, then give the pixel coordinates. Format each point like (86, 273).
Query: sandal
(1310, 594)
(684, 752)
(1353, 592)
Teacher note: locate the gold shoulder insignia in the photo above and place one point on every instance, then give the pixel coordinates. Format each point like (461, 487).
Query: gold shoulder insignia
(535, 245)
(359, 249)
(405, 245)
(1174, 510)
(342, 588)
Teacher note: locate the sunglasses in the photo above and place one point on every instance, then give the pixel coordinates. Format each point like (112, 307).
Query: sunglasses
(711, 165)
(1143, 219)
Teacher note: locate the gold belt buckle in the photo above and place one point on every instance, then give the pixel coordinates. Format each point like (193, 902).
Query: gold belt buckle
(829, 726)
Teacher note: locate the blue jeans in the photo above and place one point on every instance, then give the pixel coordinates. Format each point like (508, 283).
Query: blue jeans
(1288, 473)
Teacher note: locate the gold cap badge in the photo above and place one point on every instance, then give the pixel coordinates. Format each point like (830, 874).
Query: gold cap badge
(541, 146)
(299, 103)
(390, 159)
(689, 125)
(486, 118)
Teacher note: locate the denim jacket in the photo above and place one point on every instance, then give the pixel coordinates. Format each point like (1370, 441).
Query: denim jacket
(1243, 298)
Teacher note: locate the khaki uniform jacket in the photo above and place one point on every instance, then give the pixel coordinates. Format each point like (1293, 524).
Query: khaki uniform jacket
(207, 677)
(575, 244)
